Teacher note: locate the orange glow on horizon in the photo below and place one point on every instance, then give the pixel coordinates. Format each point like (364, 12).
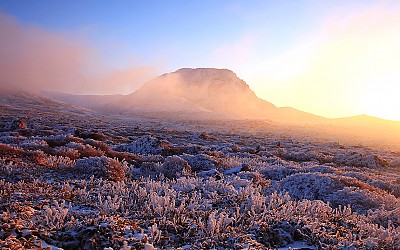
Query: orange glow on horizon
(349, 66)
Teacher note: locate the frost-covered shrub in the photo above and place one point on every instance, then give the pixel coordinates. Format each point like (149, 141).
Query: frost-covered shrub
(204, 136)
(94, 134)
(231, 162)
(33, 144)
(311, 186)
(37, 157)
(162, 204)
(33, 156)
(97, 144)
(325, 169)
(71, 153)
(358, 160)
(144, 145)
(11, 138)
(169, 149)
(54, 216)
(102, 167)
(57, 141)
(8, 150)
(239, 182)
(85, 150)
(6, 167)
(259, 180)
(241, 168)
(245, 155)
(384, 217)
(299, 154)
(150, 168)
(185, 184)
(59, 162)
(265, 154)
(278, 172)
(123, 156)
(109, 204)
(175, 167)
(355, 182)
(227, 148)
(14, 124)
(362, 199)
(250, 150)
(195, 149)
(152, 158)
(200, 162)
(215, 186)
(394, 163)
(389, 186)
(236, 148)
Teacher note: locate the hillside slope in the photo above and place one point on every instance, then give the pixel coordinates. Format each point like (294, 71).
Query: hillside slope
(203, 90)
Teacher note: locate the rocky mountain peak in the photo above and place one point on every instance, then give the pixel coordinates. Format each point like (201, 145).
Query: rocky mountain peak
(210, 76)
(198, 81)
(217, 90)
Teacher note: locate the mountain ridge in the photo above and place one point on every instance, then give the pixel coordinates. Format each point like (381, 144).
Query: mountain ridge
(201, 90)
(216, 90)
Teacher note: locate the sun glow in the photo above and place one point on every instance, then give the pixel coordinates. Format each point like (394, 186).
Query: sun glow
(382, 99)
(348, 66)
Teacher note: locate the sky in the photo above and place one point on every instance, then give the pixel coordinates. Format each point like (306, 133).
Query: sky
(332, 58)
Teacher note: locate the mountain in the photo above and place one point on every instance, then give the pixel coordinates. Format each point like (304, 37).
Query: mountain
(31, 103)
(87, 101)
(213, 90)
(196, 94)
(29, 109)
(201, 90)
(368, 121)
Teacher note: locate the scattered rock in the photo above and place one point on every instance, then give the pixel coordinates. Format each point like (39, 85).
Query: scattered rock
(241, 168)
(211, 173)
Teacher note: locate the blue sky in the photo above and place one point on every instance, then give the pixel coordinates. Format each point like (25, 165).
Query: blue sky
(178, 33)
(299, 53)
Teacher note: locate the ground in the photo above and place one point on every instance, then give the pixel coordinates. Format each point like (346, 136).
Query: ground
(90, 181)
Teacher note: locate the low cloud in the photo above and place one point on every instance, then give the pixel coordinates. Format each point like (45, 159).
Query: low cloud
(38, 59)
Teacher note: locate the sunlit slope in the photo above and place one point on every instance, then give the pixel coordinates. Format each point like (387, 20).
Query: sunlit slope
(368, 121)
(30, 104)
(213, 90)
(209, 92)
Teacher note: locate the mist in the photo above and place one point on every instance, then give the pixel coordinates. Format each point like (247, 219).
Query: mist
(37, 59)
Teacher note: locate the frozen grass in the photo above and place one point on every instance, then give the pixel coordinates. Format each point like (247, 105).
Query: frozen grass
(86, 182)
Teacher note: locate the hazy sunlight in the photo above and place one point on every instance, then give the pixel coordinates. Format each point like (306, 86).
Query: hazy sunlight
(244, 124)
(381, 99)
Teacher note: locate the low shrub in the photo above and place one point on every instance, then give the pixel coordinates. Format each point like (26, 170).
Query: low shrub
(103, 166)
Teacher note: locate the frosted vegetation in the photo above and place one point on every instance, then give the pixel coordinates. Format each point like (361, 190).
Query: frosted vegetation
(80, 182)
